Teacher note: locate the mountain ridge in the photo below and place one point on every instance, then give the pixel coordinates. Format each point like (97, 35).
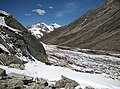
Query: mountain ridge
(98, 29)
(39, 29)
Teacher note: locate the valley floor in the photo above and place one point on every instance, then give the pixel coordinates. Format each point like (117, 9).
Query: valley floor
(97, 71)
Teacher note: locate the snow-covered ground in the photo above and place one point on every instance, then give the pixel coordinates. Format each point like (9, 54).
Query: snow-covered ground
(108, 66)
(51, 72)
(38, 69)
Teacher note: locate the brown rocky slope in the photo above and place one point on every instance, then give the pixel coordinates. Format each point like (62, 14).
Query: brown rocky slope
(98, 29)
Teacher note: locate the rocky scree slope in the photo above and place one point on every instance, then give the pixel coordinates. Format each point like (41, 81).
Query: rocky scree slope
(40, 29)
(18, 81)
(17, 46)
(98, 29)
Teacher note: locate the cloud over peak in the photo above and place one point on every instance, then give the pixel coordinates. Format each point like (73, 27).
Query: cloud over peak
(51, 7)
(39, 11)
(40, 5)
(28, 14)
(71, 5)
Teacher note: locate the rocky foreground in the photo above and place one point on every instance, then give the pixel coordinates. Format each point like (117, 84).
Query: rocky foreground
(17, 81)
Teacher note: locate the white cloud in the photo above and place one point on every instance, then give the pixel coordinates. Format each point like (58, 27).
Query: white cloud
(39, 11)
(60, 14)
(40, 5)
(69, 8)
(28, 14)
(71, 5)
(50, 7)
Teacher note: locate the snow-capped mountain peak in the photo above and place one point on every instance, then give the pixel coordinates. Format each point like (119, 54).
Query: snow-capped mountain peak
(5, 13)
(39, 29)
(55, 25)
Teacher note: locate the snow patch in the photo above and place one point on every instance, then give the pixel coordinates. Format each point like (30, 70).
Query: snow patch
(55, 25)
(2, 23)
(5, 13)
(4, 48)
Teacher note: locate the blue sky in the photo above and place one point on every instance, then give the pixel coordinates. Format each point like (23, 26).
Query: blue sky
(48, 11)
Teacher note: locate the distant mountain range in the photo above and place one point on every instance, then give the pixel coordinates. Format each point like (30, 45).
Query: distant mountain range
(98, 29)
(40, 29)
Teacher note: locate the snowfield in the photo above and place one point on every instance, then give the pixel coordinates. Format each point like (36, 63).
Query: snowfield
(108, 66)
(52, 73)
(38, 69)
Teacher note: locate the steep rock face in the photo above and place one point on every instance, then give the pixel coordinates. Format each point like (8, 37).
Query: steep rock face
(98, 29)
(17, 46)
(40, 29)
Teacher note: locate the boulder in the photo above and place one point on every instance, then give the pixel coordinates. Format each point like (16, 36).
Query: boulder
(89, 87)
(17, 81)
(18, 66)
(69, 86)
(66, 82)
(9, 59)
(2, 74)
(35, 48)
(40, 83)
(15, 84)
(27, 80)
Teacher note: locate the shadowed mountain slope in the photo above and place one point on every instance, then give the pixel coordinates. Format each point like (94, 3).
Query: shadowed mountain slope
(98, 29)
